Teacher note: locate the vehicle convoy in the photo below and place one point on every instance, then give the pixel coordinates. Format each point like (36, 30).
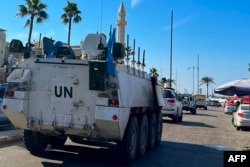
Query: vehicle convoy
(188, 102)
(200, 101)
(61, 97)
(173, 107)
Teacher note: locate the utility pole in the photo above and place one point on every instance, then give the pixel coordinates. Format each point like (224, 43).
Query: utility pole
(193, 67)
(198, 79)
(171, 37)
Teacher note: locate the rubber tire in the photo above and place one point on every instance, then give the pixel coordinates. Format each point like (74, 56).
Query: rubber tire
(176, 117)
(152, 131)
(34, 142)
(143, 135)
(159, 129)
(193, 111)
(128, 146)
(180, 118)
(57, 141)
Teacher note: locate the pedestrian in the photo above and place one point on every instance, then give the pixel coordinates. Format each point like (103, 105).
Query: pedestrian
(236, 107)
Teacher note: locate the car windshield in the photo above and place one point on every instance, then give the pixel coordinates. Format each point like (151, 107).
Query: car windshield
(168, 94)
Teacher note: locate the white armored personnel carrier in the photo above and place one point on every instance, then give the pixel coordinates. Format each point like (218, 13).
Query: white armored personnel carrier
(62, 97)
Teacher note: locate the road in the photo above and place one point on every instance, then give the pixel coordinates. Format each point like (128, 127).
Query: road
(209, 127)
(198, 141)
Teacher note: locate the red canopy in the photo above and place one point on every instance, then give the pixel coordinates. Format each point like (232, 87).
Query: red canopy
(246, 99)
(231, 100)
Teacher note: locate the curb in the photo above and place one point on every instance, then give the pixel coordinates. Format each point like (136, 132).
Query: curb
(10, 136)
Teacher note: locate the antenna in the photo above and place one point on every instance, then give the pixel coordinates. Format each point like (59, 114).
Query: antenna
(101, 15)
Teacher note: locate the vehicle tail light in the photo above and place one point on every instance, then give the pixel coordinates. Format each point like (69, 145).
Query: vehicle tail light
(4, 107)
(240, 114)
(9, 93)
(113, 102)
(171, 101)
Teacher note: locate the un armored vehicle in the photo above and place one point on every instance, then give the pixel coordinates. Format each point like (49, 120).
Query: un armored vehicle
(55, 97)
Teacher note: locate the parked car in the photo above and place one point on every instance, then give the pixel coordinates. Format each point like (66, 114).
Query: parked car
(241, 118)
(4, 121)
(230, 108)
(173, 107)
(214, 103)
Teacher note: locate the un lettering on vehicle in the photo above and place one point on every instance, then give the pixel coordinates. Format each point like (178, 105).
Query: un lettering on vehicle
(63, 93)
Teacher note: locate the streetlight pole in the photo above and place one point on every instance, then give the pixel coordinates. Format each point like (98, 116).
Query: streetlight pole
(198, 79)
(171, 39)
(193, 75)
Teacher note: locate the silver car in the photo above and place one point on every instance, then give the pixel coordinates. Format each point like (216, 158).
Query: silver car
(214, 103)
(230, 108)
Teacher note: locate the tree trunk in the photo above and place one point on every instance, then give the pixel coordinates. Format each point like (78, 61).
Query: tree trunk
(30, 30)
(70, 19)
(207, 90)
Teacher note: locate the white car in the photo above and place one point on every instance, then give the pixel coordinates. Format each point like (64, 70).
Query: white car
(173, 107)
(230, 108)
(241, 118)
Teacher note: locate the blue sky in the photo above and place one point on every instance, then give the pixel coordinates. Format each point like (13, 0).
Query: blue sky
(217, 31)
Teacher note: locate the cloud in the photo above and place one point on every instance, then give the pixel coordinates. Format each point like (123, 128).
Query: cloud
(135, 3)
(179, 22)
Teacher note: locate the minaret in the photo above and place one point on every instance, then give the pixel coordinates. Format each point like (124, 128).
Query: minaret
(121, 23)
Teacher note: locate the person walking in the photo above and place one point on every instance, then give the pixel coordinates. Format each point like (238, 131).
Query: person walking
(236, 107)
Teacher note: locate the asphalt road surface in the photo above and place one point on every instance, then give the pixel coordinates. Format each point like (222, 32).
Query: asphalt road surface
(199, 141)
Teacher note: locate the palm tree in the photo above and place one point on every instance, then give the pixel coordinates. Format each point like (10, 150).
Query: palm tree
(71, 13)
(207, 80)
(153, 72)
(33, 9)
(129, 51)
(168, 81)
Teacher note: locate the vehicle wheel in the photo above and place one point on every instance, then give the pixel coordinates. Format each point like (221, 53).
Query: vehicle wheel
(152, 131)
(143, 136)
(128, 146)
(176, 117)
(205, 108)
(237, 128)
(180, 117)
(57, 141)
(159, 129)
(35, 141)
(193, 111)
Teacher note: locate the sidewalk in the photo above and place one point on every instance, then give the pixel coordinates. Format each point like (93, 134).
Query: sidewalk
(10, 136)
